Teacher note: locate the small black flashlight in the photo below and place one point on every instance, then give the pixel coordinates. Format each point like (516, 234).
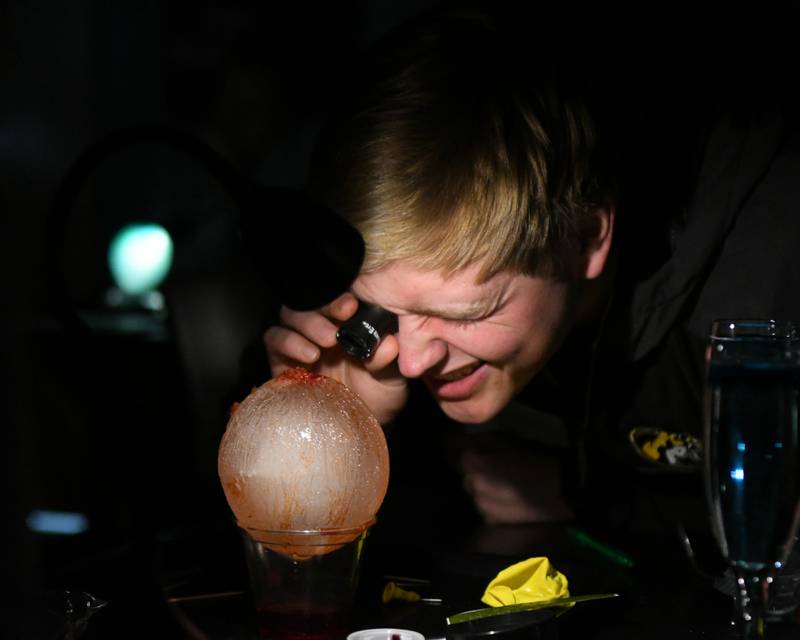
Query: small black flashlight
(360, 335)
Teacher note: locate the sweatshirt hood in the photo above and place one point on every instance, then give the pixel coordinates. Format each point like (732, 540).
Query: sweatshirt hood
(737, 156)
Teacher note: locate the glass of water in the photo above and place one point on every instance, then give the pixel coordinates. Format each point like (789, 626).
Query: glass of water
(751, 454)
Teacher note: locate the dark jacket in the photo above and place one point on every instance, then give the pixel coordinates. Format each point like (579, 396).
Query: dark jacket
(732, 255)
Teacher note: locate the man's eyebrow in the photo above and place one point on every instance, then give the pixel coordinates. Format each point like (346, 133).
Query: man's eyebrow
(463, 311)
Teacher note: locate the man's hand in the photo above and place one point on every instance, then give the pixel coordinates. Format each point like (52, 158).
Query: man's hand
(308, 339)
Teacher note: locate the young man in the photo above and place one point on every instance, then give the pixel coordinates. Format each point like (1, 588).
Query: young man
(480, 173)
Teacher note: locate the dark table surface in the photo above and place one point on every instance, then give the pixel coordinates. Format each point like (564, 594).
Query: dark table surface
(662, 593)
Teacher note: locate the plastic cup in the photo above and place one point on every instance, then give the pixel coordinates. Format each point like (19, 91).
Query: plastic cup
(385, 634)
(304, 582)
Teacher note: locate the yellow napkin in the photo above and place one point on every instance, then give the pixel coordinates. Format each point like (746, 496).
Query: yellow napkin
(532, 580)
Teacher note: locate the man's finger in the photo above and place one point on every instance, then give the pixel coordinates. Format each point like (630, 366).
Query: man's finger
(342, 308)
(285, 344)
(311, 324)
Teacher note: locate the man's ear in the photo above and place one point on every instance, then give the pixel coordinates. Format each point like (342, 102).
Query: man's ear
(596, 241)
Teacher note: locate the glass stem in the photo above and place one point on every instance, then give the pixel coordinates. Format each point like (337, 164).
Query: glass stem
(751, 599)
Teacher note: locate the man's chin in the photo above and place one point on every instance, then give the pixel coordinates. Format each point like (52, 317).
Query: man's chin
(469, 411)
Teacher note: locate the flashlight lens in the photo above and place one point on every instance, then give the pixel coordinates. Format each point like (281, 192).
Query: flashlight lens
(360, 335)
(357, 343)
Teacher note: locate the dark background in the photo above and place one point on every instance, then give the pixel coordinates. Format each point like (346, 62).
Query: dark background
(118, 416)
(121, 422)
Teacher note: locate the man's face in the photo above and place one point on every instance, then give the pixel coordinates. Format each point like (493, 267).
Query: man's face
(474, 345)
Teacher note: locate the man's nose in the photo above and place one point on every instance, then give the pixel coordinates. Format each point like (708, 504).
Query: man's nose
(420, 349)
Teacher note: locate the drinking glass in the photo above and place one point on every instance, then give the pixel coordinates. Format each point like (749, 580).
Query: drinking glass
(751, 454)
(304, 582)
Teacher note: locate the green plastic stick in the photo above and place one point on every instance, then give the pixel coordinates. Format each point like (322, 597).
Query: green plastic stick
(614, 555)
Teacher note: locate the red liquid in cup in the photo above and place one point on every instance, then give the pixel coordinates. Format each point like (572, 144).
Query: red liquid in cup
(286, 622)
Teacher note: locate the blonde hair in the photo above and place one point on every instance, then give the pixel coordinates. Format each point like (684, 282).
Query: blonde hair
(463, 152)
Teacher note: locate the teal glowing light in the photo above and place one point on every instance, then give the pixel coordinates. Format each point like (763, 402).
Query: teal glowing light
(66, 523)
(140, 257)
